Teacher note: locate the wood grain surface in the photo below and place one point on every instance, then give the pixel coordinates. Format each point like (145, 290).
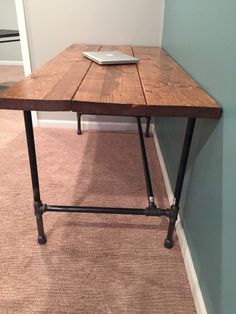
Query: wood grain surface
(53, 85)
(169, 90)
(156, 86)
(112, 88)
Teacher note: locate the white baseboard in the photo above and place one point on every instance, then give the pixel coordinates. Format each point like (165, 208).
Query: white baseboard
(34, 118)
(190, 270)
(46, 123)
(92, 125)
(188, 262)
(11, 63)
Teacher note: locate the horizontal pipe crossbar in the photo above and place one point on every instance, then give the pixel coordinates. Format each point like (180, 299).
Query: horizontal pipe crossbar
(107, 210)
(97, 210)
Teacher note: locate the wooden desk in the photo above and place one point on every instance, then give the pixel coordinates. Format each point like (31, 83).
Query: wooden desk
(7, 35)
(156, 86)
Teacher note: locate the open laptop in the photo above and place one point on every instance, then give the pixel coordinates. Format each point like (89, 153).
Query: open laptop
(109, 57)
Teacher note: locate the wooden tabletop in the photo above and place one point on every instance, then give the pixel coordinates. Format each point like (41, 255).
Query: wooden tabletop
(156, 86)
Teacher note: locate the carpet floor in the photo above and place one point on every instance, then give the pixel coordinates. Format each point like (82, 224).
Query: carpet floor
(91, 263)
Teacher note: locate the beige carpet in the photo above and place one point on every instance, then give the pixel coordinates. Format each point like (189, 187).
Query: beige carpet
(91, 263)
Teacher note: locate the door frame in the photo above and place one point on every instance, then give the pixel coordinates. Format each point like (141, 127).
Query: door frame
(20, 13)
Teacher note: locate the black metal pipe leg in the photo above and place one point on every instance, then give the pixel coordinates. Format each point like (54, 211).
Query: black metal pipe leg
(173, 215)
(147, 133)
(34, 176)
(41, 235)
(145, 165)
(79, 131)
(174, 210)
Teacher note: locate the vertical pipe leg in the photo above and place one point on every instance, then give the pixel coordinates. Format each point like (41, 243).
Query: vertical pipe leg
(79, 131)
(179, 182)
(34, 176)
(147, 134)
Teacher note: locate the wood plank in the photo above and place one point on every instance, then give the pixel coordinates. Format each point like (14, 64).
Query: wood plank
(169, 90)
(156, 86)
(111, 89)
(68, 85)
(53, 85)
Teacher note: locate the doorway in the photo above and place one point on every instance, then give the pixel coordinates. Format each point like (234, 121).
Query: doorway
(14, 55)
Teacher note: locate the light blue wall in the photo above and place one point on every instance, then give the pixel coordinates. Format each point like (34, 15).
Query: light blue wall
(201, 37)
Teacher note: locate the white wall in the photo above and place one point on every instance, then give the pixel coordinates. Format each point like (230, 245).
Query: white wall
(9, 51)
(53, 25)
